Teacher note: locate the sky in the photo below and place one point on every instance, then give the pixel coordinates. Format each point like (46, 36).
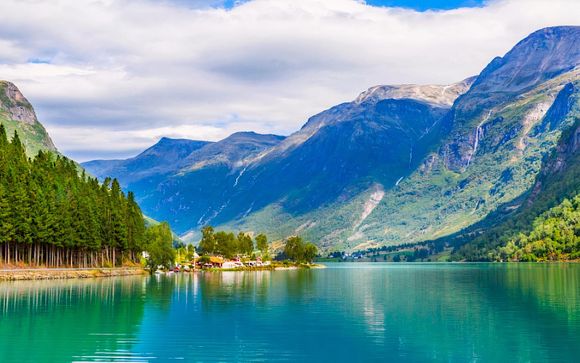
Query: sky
(108, 78)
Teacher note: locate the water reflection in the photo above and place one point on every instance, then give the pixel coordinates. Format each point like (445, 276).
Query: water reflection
(468, 312)
(407, 313)
(74, 320)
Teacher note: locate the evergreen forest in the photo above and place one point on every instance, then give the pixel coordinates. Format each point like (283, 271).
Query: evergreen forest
(53, 215)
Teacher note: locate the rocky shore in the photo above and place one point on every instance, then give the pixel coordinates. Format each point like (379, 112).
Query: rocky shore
(66, 273)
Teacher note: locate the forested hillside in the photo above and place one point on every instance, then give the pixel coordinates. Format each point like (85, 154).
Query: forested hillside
(52, 216)
(555, 237)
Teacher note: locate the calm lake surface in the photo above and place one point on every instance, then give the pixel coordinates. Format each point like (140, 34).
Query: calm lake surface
(347, 312)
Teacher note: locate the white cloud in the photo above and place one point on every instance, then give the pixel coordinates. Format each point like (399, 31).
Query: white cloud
(132, 69)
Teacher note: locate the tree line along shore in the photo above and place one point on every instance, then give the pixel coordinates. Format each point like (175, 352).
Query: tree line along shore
(54, 215)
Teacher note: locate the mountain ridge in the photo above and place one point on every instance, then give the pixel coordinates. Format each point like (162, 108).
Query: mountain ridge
(257, 167)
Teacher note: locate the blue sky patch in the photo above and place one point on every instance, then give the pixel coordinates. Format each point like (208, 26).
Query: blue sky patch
(420, 5)
(201, 4)
(38, 61)
(423, 5)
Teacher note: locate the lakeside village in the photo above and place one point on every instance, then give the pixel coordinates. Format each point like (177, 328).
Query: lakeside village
(226, 251)
(215, 262)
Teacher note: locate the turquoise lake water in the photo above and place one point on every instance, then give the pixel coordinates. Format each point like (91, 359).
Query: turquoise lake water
(344, 313)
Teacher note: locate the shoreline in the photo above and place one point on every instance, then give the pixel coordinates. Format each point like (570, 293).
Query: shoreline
(259, 268)
(66, 273)
(268, 268)
(301, 267)
(23, 274)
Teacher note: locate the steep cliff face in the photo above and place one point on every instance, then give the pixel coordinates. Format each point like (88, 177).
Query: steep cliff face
(558, 179)
(543, 56)
(15, 105)
(17, 114)
(563, 166)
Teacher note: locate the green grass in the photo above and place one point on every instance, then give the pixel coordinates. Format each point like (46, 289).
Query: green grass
(34, 137)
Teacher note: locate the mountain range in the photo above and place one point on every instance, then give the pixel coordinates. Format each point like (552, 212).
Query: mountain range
(337, 155)
(398, 164)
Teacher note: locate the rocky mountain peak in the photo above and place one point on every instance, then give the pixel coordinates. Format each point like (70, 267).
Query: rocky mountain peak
(436, 95)
(541, 65)
(15, 104)
(17, 114)
(252, 137)
(542, 55)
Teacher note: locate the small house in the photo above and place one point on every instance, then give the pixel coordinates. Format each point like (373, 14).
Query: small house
(216, 261)
(229, 264)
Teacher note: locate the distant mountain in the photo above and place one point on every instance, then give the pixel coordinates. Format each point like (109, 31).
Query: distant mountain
(175, 177)
(17, 114)
(398, 164)
(161, 158)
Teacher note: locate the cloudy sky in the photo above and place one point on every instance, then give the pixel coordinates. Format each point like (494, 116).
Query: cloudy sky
(110, 77)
